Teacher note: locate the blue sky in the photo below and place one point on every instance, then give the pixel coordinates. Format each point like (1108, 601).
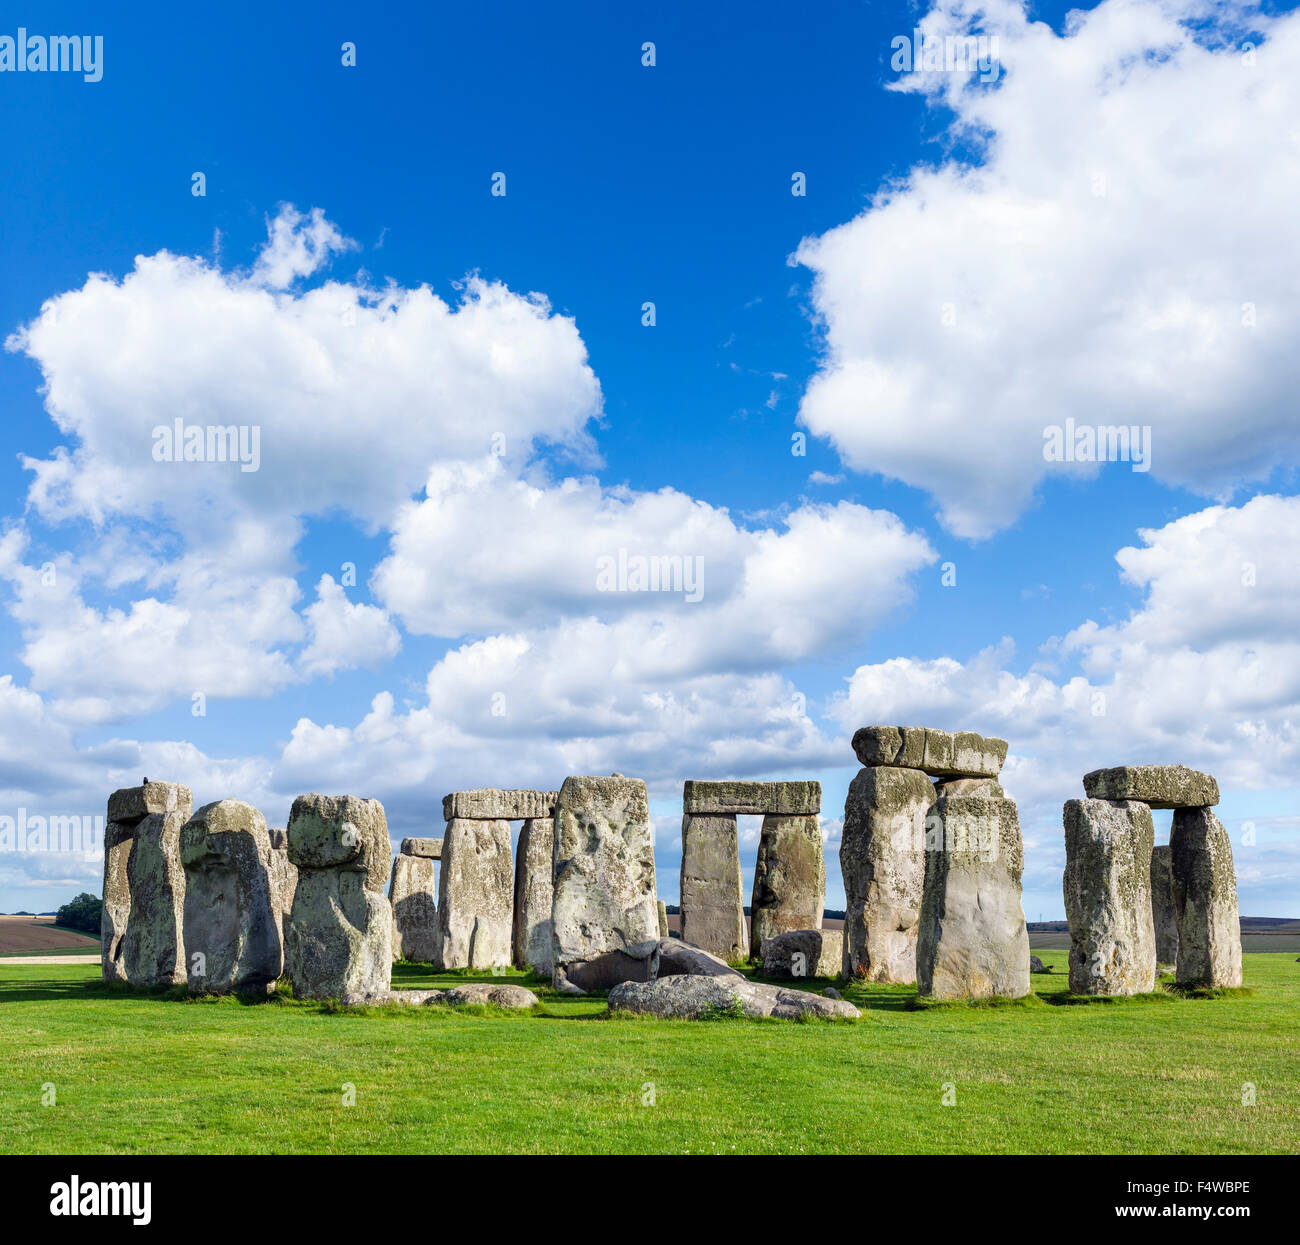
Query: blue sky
(971, 263)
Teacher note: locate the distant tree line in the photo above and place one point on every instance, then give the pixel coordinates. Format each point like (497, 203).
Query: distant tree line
(81, 913)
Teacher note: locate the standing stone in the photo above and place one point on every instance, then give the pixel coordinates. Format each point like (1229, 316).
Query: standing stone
(663, 920)
(882, 858)
(475, 896)
(1205, 899)
(1164, 915)
(534, 891)
(232, 927)
(341, 928)
(414, 899)
(605, 896)
(1107, 884)
(141, 934)
(284, 878)
(972, 941)
(712, 891)
(789, 879)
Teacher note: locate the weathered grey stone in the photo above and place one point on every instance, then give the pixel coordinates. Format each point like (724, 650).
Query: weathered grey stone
(431, 849)
(1160, 786)
(153, 952)
(882, 859)
(1107, 885)
(604, 895)
(712, 894)
(1205, 899)
(737, 796)
(284, 881)
(968, 786)
(696, 998)
(534, 893)
(939, 753)
(278, 837)
(789, 879)
(1164, 914)
(1037, 966)
(116, 910)
(341, 927)
(803, 953)
(129, 805)
(494, 804)
(678, 958)
(972, 941)
(663, 919)
(503, 995)
(412, 892)
(637, 962)
(231, 922)
(475, 895)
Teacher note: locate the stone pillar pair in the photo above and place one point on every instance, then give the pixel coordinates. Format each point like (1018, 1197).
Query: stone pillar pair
(1120, 892)
(932, 869)
(789, 877)
(477, 922)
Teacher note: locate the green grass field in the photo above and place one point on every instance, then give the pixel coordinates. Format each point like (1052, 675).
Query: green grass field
(139, 1073)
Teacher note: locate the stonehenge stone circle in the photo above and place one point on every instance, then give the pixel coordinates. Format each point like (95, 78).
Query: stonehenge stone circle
(750, 798)
(1159, 786)
(1107, 885)
(231, 917)
(475, 895)
(493, 804)
(789, 878)
(882, 859)
(712, 891)
(972, 941)
(414, 898)
(142, 920)
(604, 871)
(1205, 900)
(938, 753)
(534, 891)
(341, 927)
(1163, 913)
(803, 953)
(694, 998)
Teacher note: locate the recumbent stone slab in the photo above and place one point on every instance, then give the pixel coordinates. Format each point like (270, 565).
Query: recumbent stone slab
(939, 753)
(232, 920)
(735, 796)
(882, 859)
(694, 998)
(1160, 786)
(1107, 885)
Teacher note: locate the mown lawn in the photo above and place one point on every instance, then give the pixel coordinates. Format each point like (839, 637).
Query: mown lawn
(137, 1073)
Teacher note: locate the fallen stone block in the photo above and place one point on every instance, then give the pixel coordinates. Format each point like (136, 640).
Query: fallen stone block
(605, 895)
(803, 953)
(475, 895)
(789, 879)
(972, 941)
(1164, 914)
(503, 995)
(701, 998)
(534, 894)
(1205, 900)
(494, 804)
(938, 753)
(1160, 786)
(341, 927)
(233, 940)
(882, 859)
(736, 796)
(712, 894)
(1107, 885)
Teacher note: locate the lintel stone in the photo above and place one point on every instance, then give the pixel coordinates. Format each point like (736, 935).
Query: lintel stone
(778, 799)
